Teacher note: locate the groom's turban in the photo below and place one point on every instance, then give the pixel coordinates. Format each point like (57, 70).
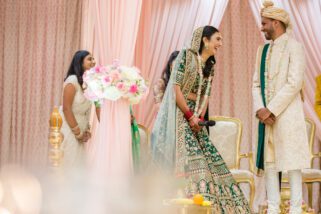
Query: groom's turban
(268, 11)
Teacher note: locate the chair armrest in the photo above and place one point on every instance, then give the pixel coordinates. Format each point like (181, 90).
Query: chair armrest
(248, 155)
(314, 156)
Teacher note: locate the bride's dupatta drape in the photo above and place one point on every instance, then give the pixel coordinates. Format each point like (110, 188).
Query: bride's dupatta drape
(168, 129)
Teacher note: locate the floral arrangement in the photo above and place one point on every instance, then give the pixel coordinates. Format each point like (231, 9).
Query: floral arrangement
(114, 82)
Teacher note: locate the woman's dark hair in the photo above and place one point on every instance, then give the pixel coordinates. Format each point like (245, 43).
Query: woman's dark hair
(208, 31)
(167, 71)
(76, 67)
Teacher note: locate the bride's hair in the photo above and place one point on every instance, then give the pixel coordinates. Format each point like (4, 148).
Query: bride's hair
(76, 67)
(208, 31)
(167, 71)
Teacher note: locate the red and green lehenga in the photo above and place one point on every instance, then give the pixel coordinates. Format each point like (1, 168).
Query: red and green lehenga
(192, 154)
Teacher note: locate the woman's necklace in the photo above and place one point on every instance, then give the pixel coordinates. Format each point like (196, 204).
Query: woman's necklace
(197, 110)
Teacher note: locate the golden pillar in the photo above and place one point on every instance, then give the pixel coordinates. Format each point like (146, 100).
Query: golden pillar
(56, 138)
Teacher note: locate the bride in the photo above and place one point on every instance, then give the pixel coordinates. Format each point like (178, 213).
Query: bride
(179, 143)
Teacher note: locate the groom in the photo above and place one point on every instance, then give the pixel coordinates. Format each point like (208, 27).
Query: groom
(278, 79)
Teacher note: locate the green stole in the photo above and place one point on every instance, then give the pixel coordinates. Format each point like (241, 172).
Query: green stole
(135, 143)
(261, 130)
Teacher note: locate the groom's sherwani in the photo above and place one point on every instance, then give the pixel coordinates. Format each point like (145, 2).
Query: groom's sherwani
(286, 141)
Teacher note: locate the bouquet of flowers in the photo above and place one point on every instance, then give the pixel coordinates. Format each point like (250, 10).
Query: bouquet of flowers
(114, 82)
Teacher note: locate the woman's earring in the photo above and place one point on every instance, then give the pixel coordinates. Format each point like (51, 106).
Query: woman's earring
(206, 46)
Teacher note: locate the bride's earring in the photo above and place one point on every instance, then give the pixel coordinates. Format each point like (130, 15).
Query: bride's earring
(206, 46)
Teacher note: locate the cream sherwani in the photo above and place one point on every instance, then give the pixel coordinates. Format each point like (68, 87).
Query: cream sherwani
(285, 67)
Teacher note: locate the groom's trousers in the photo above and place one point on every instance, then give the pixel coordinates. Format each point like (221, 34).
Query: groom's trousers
(273, 191)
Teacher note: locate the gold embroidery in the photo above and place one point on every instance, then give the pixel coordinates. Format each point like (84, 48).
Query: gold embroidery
(191, 65)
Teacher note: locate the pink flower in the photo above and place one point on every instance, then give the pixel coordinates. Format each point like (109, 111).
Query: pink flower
(115, 75)
(133, 89)
(107, 79)
(98, 69)
(120, 85)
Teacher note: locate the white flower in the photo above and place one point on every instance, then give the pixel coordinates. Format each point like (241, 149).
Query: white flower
(112, 93)
(129, 73)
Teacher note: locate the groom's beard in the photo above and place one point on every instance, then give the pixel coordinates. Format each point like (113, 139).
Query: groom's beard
(268, 34)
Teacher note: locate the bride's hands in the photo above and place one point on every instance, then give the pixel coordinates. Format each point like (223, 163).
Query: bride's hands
(194, 124)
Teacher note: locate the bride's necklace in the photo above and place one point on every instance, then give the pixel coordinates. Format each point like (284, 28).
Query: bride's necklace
(197, 110)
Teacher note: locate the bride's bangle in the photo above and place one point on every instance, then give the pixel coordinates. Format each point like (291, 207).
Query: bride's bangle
(188, 115)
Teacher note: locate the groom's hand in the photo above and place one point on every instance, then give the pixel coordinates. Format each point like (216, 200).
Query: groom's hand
(263, 114)
(270, 120)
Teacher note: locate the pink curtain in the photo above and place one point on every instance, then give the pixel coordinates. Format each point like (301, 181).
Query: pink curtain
(110, 32)
(232, 87)
(167, 26)
(37, 41)
(305, 16)
(111, 152)
(116, 26)
(110, 28)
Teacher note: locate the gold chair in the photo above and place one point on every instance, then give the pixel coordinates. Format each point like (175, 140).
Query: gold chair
(226, 136)
(144, 135)
(309, 176)
(144, 145)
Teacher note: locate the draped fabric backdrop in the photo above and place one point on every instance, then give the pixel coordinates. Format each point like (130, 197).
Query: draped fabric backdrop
(37, 41)
(232, 89)
(39, 38)
(112, 36)
(167, 26)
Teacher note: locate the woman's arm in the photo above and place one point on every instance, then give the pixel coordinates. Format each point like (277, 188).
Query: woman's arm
(68, 98)
(180, 100)
(182, 105)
